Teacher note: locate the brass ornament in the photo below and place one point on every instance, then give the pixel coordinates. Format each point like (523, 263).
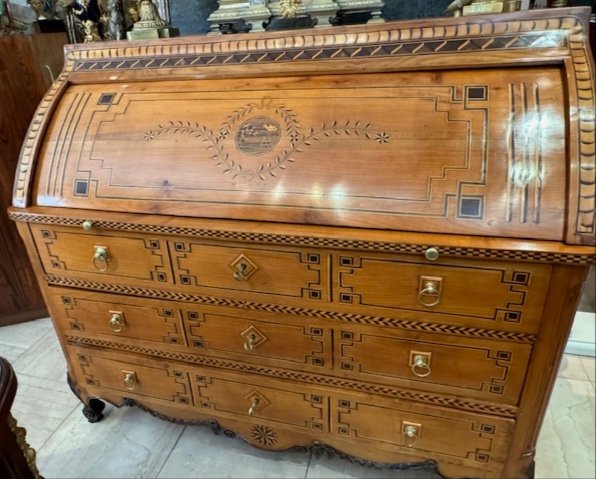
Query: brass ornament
(289, 8)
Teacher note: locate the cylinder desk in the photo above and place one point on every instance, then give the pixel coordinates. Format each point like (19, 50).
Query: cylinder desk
(367, 239)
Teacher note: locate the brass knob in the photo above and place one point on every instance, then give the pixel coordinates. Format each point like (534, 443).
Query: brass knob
(240, 271)
(253, 406)
(249, 343)
(116, 321)
(420, 365)
(432, 254)
(429, 288)
(100, 258)
(130, 380)
(87, 225)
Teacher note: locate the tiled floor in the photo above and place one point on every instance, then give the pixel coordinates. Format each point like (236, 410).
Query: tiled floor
(130, 443)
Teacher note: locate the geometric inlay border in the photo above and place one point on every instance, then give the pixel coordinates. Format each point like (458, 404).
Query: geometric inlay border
(311, 378)
(316, 242)
(368, 319)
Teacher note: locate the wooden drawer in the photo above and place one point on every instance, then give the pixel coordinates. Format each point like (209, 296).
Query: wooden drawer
(273, 339)
(263, 272)
(495, 294)
(108, 371)
(252, 398)
(476, 368)
(116, 318)
(183, 331)
(127, 258)
(468, 439)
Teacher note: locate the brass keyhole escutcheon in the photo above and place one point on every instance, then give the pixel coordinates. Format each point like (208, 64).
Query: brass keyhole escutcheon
(101, 257)
(116, 321)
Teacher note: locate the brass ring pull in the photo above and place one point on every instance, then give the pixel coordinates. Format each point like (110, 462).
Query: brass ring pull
(249, 344)
(253, 406)
(420, 366)
(430, 289)
(240, 272)
(116, 322)
(130, 380)
(100, 258)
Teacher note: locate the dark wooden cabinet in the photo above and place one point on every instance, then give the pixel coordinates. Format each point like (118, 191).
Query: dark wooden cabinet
(27, 65)
(17, 459)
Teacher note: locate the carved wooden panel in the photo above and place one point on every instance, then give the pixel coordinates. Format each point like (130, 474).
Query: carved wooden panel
(471, 439)
(252, 152)
(504, 294)
(268, 403)
(278, 340)
(131, 257)
(89, 314)
(101, 371)
(213, 269)
(483, 369)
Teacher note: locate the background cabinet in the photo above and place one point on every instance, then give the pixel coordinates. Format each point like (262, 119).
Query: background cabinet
(25, 65)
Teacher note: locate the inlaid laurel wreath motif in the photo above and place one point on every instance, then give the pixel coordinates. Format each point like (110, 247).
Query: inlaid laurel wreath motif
(257, 130)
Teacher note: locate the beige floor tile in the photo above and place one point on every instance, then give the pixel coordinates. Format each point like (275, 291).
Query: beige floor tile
(566, 443)
(25, 335)
(200, 453)
(127, 443)
(572, 368)
(44, 359)
(41, 405)
(11, 353)
(589, 365)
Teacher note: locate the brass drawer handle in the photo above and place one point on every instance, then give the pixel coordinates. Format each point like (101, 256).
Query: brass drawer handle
(249, 343)
(240, 271)
(411, 432)
(116, 321)
(100, 258)
(87, 225)
(253, 406)
(130, 380)
(420, 364)
(430, 291)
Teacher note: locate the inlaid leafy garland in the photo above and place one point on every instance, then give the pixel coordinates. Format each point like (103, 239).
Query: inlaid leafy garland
(268, 169)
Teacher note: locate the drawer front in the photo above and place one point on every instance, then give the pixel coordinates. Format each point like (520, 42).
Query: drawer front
(503, 294)
(107, 257)
(111, 317)
(281, 340)
(475, 368)
(248, 397)
(468, 439)
(213, 269)
(108, 371)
